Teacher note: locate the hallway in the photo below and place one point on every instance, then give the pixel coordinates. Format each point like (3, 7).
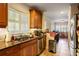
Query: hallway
(61, 49)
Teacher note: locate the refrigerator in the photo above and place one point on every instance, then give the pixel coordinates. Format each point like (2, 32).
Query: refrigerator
(74, 44)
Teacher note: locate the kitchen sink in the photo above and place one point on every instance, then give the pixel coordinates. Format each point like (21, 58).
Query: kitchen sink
(21, 37)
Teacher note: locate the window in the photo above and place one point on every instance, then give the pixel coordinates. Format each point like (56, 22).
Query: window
(17, 21)
(24, 23)
(61, 27)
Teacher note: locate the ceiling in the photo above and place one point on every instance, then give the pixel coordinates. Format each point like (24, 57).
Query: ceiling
(55, 11)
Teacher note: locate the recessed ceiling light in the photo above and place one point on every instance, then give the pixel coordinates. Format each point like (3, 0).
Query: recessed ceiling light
(61, 12)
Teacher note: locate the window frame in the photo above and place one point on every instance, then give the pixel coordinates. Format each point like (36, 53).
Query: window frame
(19, 21)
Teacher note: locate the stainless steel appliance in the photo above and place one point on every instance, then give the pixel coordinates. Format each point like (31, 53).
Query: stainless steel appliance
(74, 44)
(40, 40)
(73, 36)
(40, 45)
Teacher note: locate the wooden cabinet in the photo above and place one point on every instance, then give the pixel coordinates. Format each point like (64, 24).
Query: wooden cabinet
(29, 48)
(3, 53)
(40, 20)
(11, 51)
(35, 18)
(24, 49)
(3, 14)
(34, 48)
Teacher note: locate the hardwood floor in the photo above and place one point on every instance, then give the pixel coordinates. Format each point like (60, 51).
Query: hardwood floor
(61, 49)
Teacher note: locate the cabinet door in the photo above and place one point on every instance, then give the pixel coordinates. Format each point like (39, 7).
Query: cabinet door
(35, 19)
(13, 51)
(39, 20)
(3, 14)
(34, 48)
(26, 49)
(32, 18)
(3, 53)
(29, 48)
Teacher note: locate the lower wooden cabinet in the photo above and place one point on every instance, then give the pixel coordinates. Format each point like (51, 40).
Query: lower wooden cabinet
(24, 49)
(11, 51)
(3, 53)
(34, 49)
(29, 48)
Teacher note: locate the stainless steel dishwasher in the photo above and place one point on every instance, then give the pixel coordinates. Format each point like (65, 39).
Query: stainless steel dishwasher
(39, 35)
(40, 45)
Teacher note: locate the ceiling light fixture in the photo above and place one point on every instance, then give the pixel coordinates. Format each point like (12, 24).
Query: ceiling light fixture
(61, 12)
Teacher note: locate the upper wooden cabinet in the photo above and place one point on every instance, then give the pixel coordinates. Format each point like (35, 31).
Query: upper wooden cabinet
(35, 18)
(3, 15)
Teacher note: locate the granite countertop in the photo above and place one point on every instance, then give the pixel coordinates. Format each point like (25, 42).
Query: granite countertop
(4, 44)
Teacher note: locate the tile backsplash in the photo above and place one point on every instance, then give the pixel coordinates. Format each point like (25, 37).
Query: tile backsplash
(4, 35)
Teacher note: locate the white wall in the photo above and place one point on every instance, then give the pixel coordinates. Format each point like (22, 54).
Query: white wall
(52, 25)
(46, 22)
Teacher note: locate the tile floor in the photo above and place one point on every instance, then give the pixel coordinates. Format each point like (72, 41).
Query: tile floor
(61, 49)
